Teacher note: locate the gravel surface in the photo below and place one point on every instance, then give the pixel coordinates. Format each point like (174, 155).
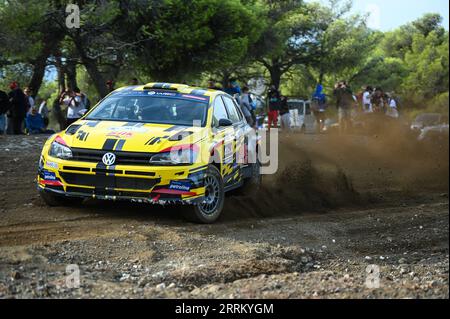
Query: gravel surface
(132, 251)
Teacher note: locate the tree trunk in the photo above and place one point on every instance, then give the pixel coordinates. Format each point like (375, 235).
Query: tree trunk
(71, 72)
(50, 42)
(38, 75)
(275, 76)
(92, 69)
(61, 75)
(321, 76)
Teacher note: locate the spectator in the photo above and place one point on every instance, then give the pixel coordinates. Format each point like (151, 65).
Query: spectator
(285, 114)
(75, 106)
(44, 112)
(4, 108)
(246, 106)
(84, 99)
(378, 101)
(366, 100)
(319, 106)
(35, 123)
(18, 110)
(110, 86)
(273, 100)
(233, 88)
(392, 110)
(344, 103)
(30, 99)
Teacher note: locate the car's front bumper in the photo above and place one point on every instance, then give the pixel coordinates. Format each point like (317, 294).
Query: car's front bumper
(158, 185)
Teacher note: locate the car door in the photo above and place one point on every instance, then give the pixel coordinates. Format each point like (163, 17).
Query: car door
(241, 132)
(223, 141)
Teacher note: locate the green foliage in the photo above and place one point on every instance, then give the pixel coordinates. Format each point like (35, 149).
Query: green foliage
(292, 43)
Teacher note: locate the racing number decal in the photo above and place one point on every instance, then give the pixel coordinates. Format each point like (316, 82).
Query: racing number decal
(82, 136)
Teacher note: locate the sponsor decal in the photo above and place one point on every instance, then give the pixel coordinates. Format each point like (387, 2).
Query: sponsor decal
(156, 93)
(180, 186)
(52, 164)
(49, 176)
(125, 131)
(194, 97)
(82, 135)
(120, 134)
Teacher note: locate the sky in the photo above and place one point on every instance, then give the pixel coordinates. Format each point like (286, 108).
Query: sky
(390, 14)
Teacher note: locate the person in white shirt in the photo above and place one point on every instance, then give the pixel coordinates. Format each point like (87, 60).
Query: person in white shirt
(75, 105)
(392, 110)
(367, 104)
(30, 98)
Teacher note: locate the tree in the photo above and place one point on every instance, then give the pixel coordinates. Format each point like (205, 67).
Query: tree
(285, 41)
(28, 36)
(189, 38)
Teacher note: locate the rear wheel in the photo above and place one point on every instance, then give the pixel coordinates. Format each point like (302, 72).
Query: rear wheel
(57, 200)
(209, 210)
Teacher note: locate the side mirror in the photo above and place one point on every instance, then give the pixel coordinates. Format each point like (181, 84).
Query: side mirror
(225, 123)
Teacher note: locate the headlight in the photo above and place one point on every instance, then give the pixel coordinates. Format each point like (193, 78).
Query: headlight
(60, 151)
(181, 155)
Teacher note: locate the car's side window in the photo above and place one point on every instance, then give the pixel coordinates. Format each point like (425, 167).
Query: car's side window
(220, 111)
(239, 110)
(231, 108)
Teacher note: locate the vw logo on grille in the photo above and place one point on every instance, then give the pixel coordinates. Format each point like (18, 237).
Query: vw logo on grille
(109, 159)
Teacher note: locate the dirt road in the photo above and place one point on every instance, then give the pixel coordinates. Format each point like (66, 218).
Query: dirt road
(334, 208)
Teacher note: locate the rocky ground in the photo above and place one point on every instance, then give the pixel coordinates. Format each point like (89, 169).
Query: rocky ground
(131, 251)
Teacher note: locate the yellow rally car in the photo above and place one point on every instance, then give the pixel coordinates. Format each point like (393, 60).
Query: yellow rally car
(158, 143)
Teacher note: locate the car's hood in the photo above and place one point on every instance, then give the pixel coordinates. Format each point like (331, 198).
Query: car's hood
(131, 137)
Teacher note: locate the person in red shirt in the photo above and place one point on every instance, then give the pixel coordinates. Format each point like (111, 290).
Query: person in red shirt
(273, 101)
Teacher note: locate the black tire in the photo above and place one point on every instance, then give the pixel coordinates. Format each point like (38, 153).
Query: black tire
(209, 211)
(54, 200)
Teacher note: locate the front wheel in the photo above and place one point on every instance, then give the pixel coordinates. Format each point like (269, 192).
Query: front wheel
(209, 210)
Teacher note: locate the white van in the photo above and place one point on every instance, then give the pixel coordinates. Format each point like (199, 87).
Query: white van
(302, 117)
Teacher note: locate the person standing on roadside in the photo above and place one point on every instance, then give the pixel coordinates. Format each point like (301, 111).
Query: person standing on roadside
(4, 108)
(392, 110)
(110, 86)
(319, 106)
(30, 100)
(344, 102)
(366, 100)
(273, 101)
(18, 110)
(75, 106)
(246, 106)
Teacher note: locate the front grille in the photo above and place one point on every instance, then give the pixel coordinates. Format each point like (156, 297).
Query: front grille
(122, 158)
(100, 181)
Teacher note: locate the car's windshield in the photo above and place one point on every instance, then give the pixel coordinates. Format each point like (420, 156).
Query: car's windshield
(151, 109)
(296, 105)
